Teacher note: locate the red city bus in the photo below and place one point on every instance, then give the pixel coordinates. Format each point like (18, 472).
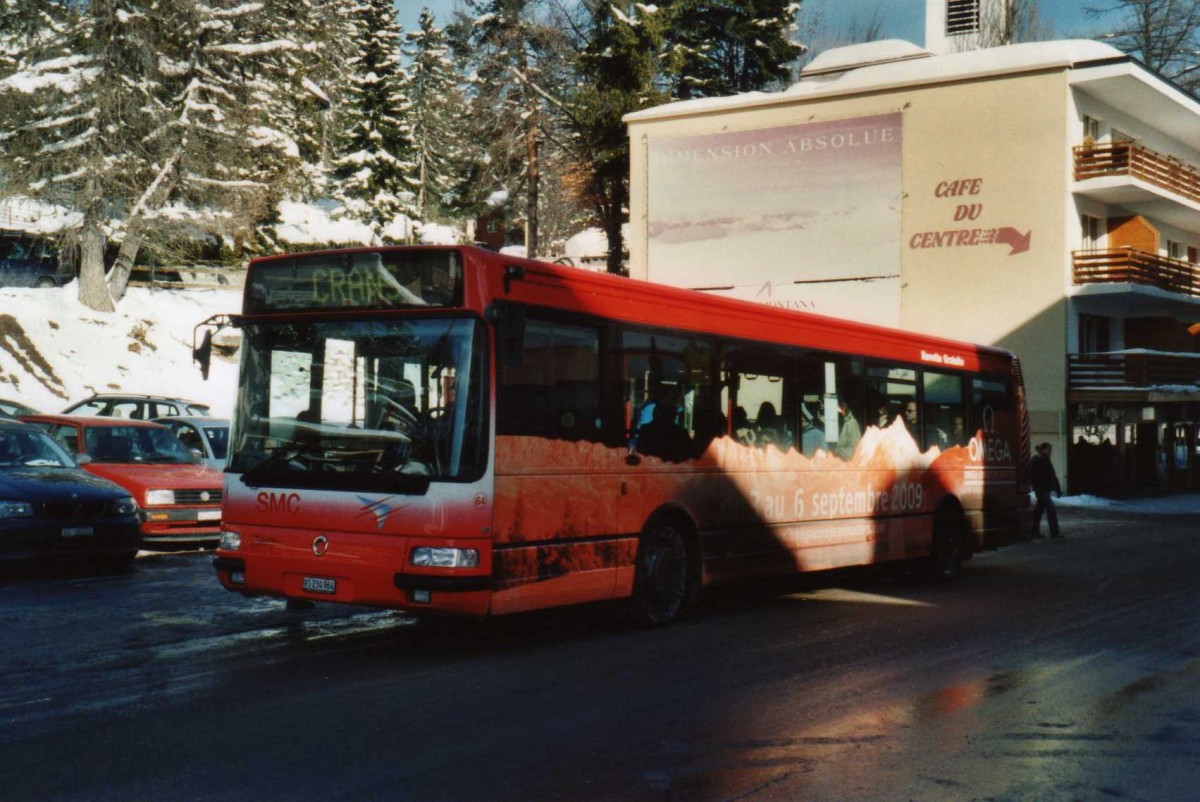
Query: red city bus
(451, 430)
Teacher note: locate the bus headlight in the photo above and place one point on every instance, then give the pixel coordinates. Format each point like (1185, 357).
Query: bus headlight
(445, 558)
(230, 541)
(160, 497)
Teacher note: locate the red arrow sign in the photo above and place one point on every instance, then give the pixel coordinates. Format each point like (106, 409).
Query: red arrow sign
(1015, 239)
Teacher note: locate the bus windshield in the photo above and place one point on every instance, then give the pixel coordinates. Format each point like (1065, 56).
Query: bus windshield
(373, 404)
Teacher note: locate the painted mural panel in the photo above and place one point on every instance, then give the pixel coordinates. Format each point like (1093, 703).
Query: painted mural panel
(785, 216)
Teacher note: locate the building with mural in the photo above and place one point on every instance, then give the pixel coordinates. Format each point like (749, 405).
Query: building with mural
(1043, 197)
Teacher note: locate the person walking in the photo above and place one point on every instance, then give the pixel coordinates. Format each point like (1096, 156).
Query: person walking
(1044, 481)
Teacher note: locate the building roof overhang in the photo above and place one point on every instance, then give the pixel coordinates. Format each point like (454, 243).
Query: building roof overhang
(1132, 395)
(1133, 193)
(1130, 86)
(1125, 299)
(1032, 57)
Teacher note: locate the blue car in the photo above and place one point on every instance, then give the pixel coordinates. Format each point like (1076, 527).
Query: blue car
(49, 508)
(29, 262)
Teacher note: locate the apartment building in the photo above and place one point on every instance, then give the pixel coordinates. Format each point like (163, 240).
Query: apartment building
(1043, 197)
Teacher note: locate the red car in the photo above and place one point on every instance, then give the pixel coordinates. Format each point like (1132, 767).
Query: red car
(180, 500)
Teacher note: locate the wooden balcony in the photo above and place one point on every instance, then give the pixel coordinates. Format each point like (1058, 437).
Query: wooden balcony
(1135, 161)
(1127, 265)
(1132, 369)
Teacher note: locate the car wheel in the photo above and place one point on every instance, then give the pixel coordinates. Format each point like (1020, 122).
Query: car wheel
(44, 282)
(662, 580)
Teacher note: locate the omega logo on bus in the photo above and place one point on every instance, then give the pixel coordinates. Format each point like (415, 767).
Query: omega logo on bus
(279, 502)
(992, 448)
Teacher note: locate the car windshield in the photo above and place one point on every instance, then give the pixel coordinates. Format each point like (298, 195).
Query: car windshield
(369, 404)
(149, 444)
(31, 449)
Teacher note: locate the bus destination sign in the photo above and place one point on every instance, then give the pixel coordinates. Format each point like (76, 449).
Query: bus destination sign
(382, 279)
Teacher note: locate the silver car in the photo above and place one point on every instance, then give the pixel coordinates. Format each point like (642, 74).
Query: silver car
(204, 436)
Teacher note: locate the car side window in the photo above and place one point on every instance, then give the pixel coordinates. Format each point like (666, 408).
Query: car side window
(90, 408)
(127, 409)
(67, 437)
(189, 437)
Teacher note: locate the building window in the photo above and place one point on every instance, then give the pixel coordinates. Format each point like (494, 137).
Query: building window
(1091, 129)
(1093, 334)
(1093, 232)
(1176, 250)
(962, 16)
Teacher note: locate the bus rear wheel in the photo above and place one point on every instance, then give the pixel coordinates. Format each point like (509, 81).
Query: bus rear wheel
(661, 582)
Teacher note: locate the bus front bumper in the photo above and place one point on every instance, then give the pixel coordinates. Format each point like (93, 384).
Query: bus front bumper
(265, 575)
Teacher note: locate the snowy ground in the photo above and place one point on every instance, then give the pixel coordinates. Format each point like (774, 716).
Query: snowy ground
(54, 351)
(1166, 505)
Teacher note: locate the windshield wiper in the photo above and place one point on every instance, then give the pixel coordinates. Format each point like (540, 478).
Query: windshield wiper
(281, 454)
(376, 477)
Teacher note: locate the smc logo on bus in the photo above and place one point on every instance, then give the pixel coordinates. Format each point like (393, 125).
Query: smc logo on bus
(279, 502)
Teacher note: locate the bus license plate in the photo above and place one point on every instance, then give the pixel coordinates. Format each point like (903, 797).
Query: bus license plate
(208, 515)
(316, 584)
(78, 531)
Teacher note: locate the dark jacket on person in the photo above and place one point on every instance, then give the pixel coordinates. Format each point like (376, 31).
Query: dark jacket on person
(1042, 476)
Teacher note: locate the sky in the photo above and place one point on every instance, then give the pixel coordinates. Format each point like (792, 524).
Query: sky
(902, 19)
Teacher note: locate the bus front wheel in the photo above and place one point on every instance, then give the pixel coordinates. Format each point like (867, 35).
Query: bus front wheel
(661, 582)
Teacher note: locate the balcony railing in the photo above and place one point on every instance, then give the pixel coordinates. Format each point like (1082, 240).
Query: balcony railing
(1135, 161)
(1142, 369)
(1128, 265)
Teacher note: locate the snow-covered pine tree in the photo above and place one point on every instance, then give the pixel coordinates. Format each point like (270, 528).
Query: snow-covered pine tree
(438, 119)
(501, 38)
(619, 66)
(134, 125)
(221, 144)
(317, 75)
(76, 130)
(723, 47)
(375, 160)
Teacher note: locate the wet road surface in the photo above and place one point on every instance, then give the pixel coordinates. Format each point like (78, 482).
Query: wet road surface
(1053, 670)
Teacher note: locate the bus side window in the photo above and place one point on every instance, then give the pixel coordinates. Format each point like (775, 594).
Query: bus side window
(765, 404)
(669, 395)
(944, 411)
(843, 405)
(553, 390)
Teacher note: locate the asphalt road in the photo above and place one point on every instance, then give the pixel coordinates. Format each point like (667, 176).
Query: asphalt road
(1052, 670)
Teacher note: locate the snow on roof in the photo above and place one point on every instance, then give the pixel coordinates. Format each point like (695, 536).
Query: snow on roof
(840, 59)
(1011, 59)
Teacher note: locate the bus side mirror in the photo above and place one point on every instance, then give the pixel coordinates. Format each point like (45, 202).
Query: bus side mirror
(203, 354)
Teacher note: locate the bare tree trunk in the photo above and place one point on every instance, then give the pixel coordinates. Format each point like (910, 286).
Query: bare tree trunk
(118, 279)
(135, 230)
(93, 291)
(532, 169)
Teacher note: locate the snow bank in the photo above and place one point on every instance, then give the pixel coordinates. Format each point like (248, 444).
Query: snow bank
(54, 350)
(1166, 505)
